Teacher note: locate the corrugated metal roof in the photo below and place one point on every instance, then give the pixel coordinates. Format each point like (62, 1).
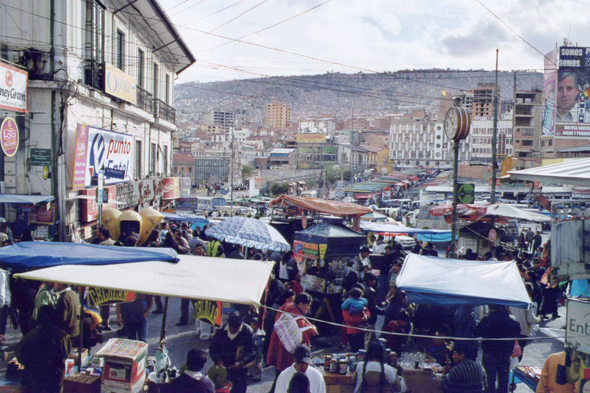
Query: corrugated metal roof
(570, 172)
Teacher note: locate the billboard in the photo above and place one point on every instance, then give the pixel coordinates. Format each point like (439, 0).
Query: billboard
(14, 89)
(311, 138)
(171, 188)
(549, 89)
(573, 91)
(98, 149)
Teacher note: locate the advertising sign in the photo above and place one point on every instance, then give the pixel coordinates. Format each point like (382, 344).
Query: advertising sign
(311, 250)
(171, 188)
(10, 137)
(89, 207)
(98, 296)
(208, 311)
(573, 130)
(577, 332)
(40, 157)
(14, 89)
(549, 91)
(311, 138)
(298, 251)
(466, 192)
(43, 216)
(98, 149)
(573, 86)
(258, 182)
(118, 84)
(185, 186)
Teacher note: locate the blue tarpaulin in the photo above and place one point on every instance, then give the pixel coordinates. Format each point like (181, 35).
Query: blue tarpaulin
(435, 237)
(37, 255)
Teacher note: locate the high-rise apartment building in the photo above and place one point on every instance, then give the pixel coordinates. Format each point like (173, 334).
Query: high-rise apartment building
(483, 100)
(278, 115)
(527, 123)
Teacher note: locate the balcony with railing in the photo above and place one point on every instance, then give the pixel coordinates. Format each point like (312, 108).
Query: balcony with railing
(164, 111)
(94, 74)
(144, 100)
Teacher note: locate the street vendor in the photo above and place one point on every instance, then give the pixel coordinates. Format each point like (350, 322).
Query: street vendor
(376, 376)
(362, 259)
(232, 348)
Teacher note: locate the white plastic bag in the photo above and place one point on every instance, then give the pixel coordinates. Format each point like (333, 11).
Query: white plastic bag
(289, 332)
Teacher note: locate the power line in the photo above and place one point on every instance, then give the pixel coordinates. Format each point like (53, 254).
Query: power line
(186, 9)
(518, 35)
(269, 27)
(231, 20)
(16, 24)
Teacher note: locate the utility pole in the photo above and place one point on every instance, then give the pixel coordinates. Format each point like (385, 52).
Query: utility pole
(231, 181)
(351, 134)
(495, 135)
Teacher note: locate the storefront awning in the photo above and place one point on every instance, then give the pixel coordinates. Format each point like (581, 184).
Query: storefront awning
(570, 172)
(26, 199)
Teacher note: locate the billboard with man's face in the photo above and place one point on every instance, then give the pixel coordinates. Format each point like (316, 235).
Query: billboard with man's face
(572, 104)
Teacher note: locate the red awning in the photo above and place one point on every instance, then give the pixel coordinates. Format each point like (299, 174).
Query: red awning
(322, 206)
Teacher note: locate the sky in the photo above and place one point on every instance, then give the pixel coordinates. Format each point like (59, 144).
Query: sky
(370, 35)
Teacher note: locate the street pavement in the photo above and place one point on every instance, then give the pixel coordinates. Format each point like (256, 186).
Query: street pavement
(180, 339)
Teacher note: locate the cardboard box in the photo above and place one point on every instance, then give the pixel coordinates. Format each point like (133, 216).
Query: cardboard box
(420, 381)
(124, 363)
(82, 383)
(120, 387)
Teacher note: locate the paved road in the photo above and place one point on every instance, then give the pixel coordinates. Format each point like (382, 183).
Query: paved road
(182, 338)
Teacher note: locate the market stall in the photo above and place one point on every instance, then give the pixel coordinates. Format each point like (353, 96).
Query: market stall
(324, 254)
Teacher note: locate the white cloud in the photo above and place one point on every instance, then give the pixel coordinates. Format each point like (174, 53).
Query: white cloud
(379, 35)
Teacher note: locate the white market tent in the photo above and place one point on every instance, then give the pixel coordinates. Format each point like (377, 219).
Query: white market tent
(575, 172)
(392, 228)
(509, 211)
(455, 282)
(204, 278)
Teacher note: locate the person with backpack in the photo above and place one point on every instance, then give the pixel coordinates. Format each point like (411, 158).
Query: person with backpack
(374, 376)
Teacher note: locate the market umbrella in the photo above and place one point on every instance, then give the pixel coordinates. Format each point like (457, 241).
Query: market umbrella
(248, 232)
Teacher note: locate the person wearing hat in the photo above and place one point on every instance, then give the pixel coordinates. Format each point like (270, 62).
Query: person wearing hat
(232, 347)
(302, 358)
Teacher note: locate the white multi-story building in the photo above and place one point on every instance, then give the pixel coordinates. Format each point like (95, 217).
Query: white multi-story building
(101, 84)
(480, 138)
(422, 143)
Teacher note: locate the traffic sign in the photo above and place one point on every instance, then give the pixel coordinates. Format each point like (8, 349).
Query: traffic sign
(466, 192)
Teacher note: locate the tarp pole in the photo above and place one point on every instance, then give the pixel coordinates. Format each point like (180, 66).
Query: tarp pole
(81, 335)
(164, 317)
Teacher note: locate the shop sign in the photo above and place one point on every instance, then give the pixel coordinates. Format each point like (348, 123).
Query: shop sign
(311, 138)
(208, 311)
(98, 149)
(298, 251)
(10, 138)
(118, 84)
(185, 186)
(304, 222)
(14, 89)
(577, 332)
(40, 157)
(98, 296)
(89, 207)
(323, 250)
(43, 216)
(304, 166)
(492, 235)
(171, 188)
(310, 251)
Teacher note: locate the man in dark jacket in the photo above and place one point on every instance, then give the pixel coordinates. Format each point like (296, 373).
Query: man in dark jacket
(43, 352)
(232, 347)
(68, 311)
(496, 354)
(192, 380)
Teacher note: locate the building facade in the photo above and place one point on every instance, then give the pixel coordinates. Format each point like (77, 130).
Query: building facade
(480, 138)
(278, 115)
(316, 155)
(483, 100)
(527, 123)
(94, 73)
(422, 144)
(212, 169)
